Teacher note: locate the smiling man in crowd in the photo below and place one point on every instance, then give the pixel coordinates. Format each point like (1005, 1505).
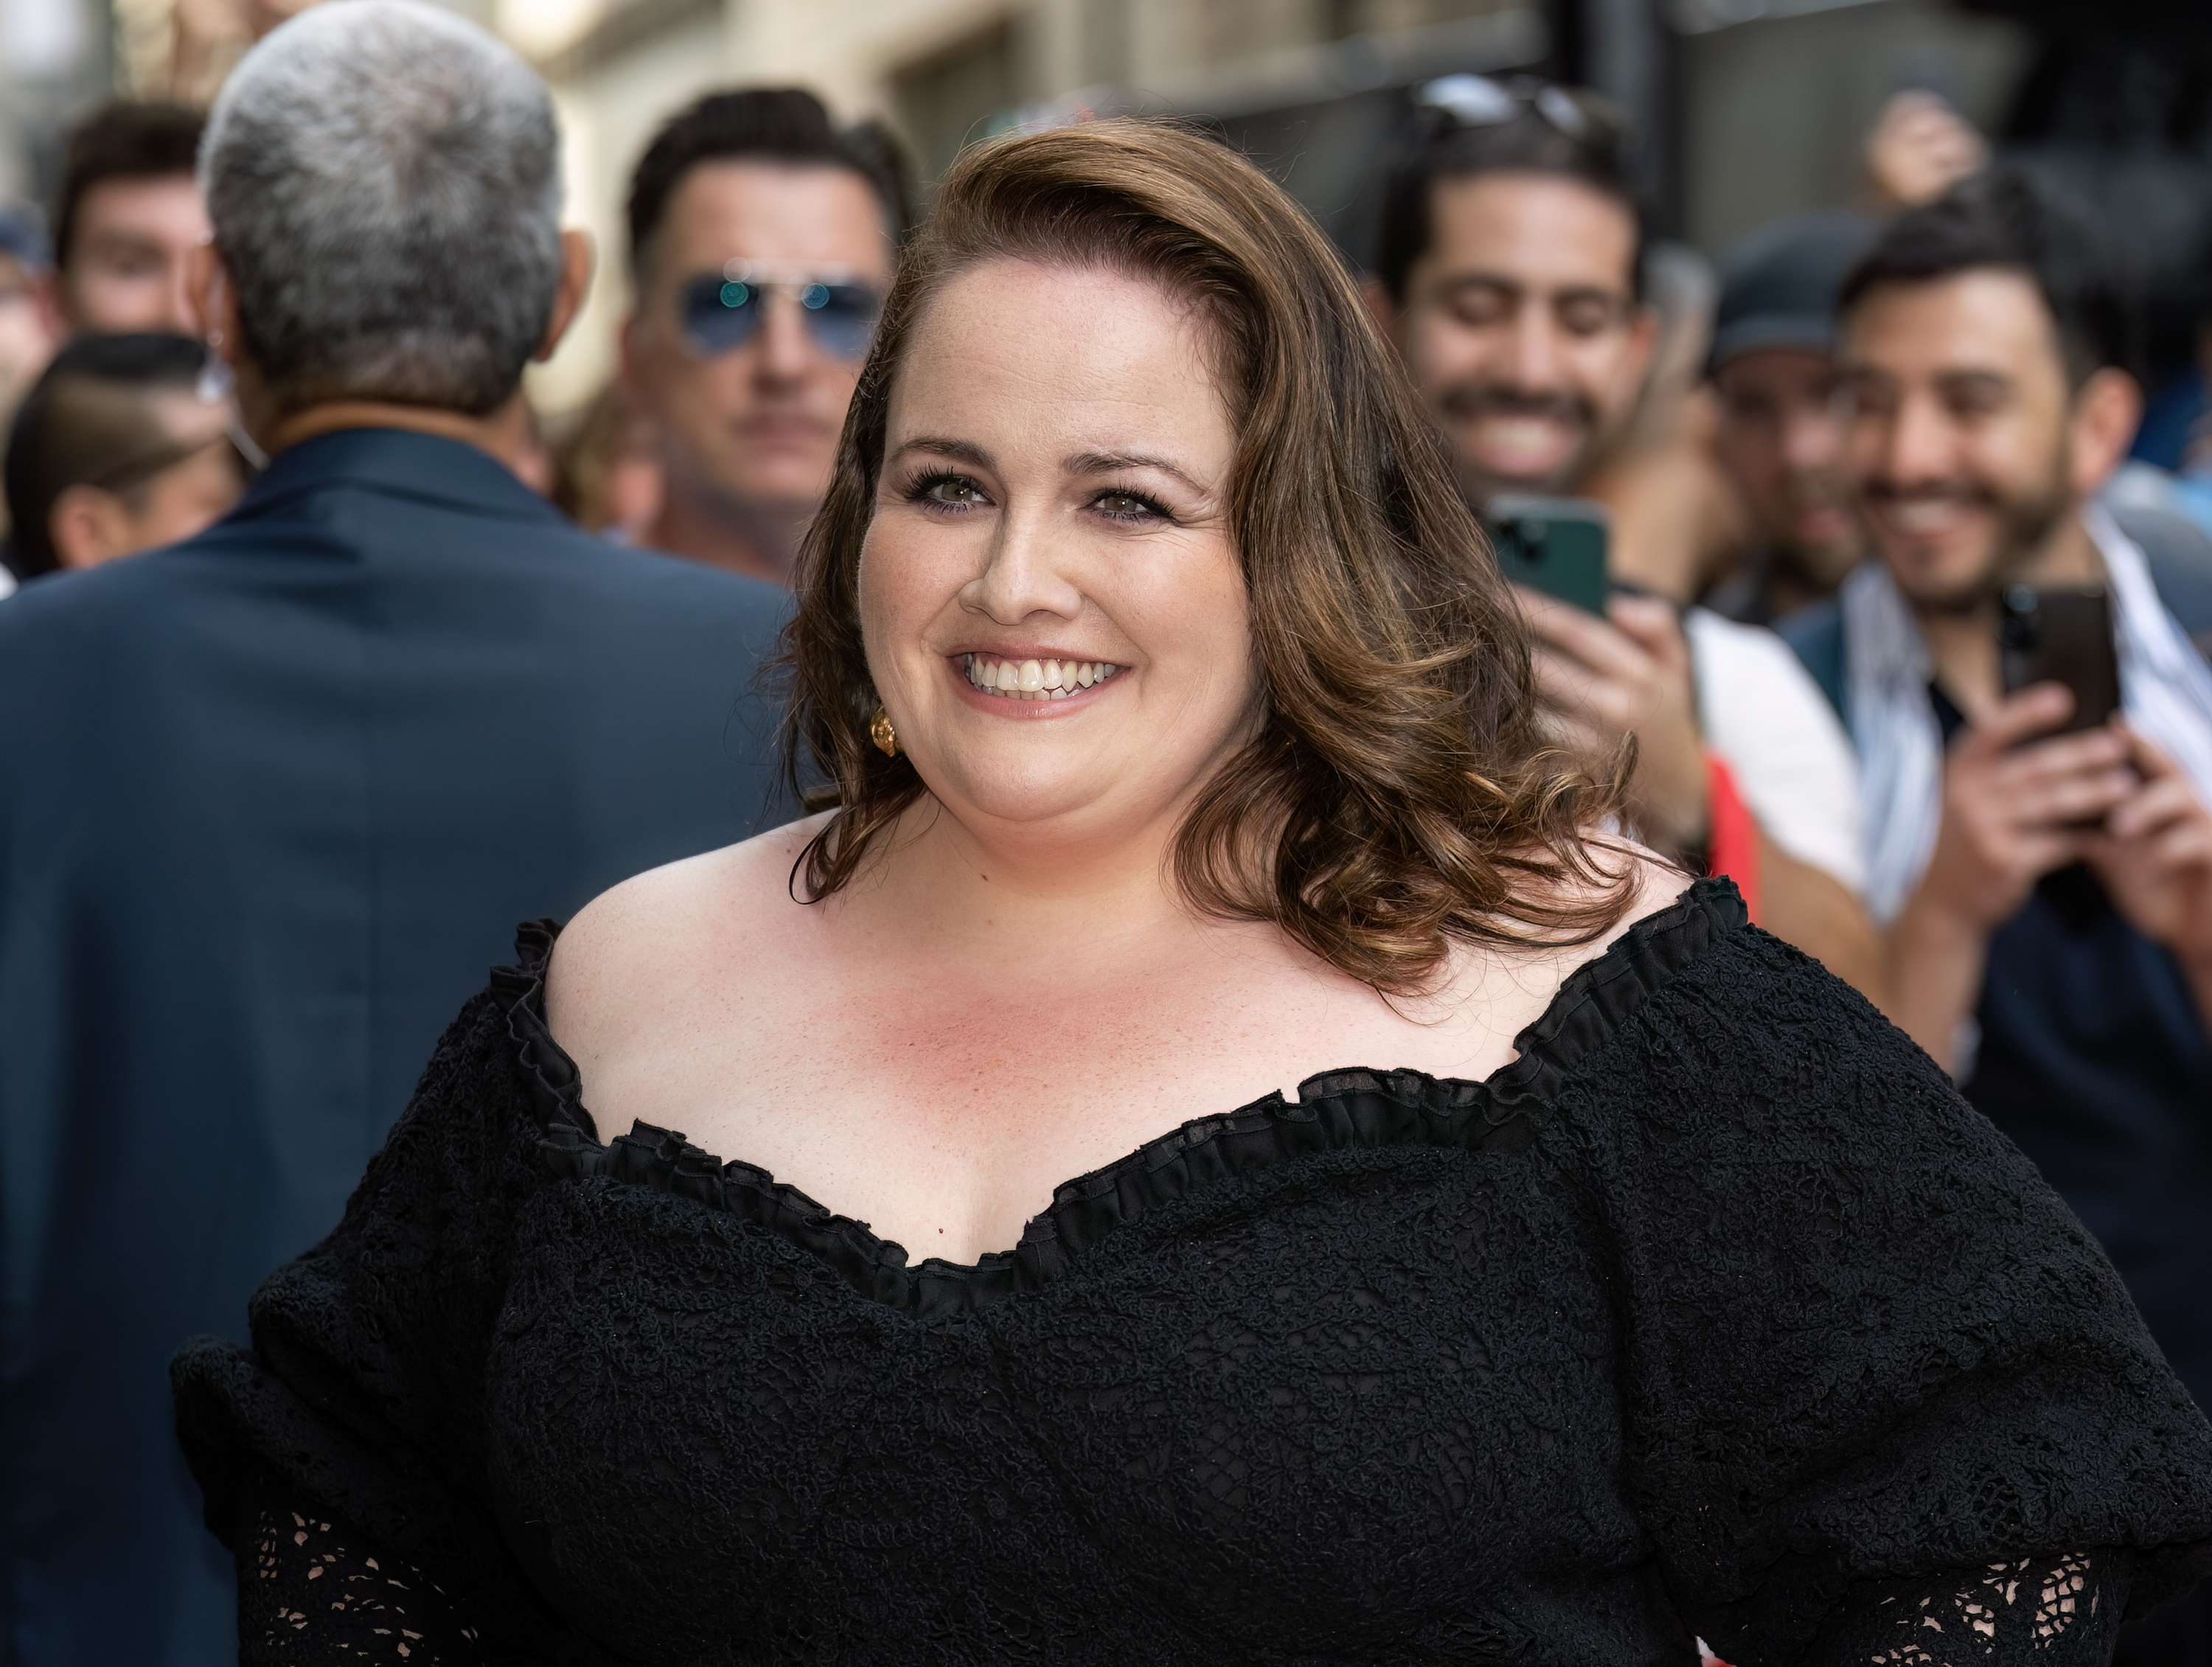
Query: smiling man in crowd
(762, 240)
(1510, 267)
(2049, 894)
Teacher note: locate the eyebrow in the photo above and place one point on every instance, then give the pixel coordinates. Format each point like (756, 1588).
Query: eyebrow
(1080, 463)
(1101, 463)
(960, 451)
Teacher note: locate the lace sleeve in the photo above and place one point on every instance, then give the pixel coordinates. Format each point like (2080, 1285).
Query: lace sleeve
(309, 1593)
(2042, 1610)
(364, 1390)
(1870, 1347)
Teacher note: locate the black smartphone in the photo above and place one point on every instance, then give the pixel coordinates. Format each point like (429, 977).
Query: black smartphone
(2062, 636)
(1555, 546)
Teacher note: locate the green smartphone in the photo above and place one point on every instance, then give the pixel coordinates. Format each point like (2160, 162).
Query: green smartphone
(1555, 546)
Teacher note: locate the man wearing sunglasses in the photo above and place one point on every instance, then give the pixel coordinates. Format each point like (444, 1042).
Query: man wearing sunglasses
(1511, 268)
(762, 240)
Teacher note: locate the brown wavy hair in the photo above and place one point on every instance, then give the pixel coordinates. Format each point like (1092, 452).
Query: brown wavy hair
(1396, 795)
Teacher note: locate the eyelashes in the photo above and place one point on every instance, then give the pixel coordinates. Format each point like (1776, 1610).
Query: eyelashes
(944, 492)
(927, 490)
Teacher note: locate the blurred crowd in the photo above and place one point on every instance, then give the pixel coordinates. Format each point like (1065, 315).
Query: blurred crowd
(1805, 530)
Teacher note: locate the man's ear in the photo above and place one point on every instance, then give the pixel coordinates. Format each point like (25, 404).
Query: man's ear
(1642, 340)
(2107, 410)
(214, 299)
(1380, 308)
(576, 262)
(87, 527)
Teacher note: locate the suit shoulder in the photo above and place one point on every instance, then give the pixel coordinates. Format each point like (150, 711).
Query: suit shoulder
(678, 582)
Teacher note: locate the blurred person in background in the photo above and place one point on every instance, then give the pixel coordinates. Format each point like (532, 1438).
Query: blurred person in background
(26, 332)
(762, 240)
(292, 783)
(1779, 436)
(1512, 279)
(606, 477)
(118, 450)
(129, 219)
(2048, 895)
(27, 337)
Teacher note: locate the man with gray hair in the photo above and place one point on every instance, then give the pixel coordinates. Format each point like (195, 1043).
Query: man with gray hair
(272, 799)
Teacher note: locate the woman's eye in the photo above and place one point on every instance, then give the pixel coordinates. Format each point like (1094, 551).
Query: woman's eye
(953, 492)
(1124, 507)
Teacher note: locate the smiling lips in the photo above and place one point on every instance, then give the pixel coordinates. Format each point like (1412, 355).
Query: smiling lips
(1033, 679)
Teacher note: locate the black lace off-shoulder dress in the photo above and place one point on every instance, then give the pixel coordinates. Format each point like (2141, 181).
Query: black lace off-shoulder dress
(1716, 1314)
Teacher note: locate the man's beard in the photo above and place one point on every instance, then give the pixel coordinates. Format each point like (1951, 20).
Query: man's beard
(2025, 523)
(1471, 401)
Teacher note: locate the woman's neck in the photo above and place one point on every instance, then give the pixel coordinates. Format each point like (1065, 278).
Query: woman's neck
(983, 881)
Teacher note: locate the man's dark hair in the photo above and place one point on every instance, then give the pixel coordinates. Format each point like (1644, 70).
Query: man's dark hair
(2008, 220)
(777, 124)
(1438, 147)
(124, 139)
(89, 421)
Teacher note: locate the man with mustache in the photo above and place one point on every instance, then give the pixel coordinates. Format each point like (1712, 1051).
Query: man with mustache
(2048, 895)
(761, 239)
(1510, 275)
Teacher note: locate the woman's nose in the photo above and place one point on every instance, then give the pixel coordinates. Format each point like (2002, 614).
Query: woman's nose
(1025, 571)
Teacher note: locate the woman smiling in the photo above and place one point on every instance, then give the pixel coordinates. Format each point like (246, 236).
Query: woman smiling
(1614, 1277)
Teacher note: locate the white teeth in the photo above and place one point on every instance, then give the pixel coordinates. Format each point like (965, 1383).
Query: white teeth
(1033, 679)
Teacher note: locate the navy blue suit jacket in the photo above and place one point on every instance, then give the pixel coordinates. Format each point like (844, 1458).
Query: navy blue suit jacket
(270, 803)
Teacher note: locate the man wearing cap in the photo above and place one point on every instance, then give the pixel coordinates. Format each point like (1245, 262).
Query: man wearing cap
(1779, 437)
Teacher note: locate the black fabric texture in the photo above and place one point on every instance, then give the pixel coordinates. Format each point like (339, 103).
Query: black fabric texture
(1718, 1313)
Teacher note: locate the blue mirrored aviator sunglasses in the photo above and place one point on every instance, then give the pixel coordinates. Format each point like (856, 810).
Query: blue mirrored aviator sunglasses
(722, 311)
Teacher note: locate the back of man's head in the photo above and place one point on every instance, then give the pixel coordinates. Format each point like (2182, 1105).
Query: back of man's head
(124, 139)
(785, 124)
(2007, 220)
(93, 419)
(1553, 132)
(384, 182)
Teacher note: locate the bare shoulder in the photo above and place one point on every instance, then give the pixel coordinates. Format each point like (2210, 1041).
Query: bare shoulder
(631, 948)
(1514, 978)
(1656, 883)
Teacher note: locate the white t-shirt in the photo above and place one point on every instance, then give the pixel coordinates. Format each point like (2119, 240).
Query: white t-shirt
(1769, 722)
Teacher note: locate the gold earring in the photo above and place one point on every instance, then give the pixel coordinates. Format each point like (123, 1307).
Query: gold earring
(881, 732)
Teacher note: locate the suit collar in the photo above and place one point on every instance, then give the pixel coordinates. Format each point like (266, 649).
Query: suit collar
(403, 463)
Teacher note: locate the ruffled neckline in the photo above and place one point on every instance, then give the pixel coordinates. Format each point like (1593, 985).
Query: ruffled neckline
(1334, 1110)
